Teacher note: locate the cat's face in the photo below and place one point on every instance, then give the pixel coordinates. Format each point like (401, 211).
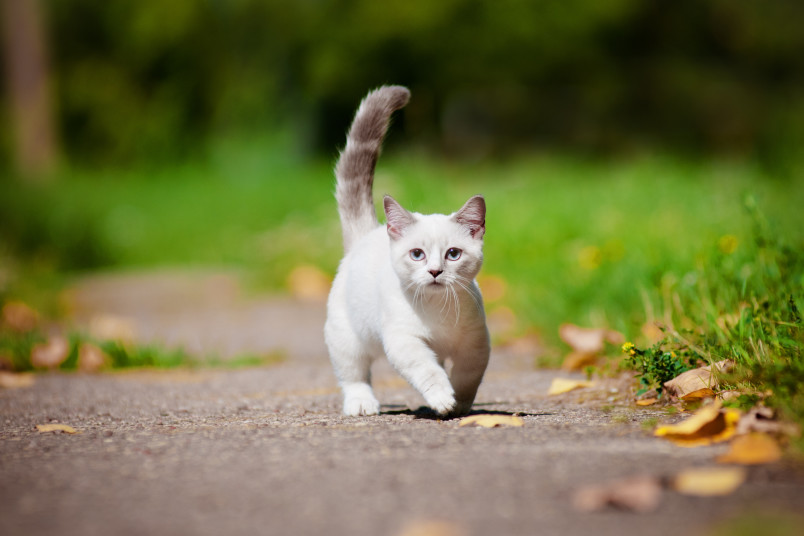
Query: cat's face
(436, 253)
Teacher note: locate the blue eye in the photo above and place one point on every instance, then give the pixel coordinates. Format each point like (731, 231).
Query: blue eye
(453, 254)
(417, 254)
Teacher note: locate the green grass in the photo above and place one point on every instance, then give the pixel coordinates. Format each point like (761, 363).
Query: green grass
(594, 242)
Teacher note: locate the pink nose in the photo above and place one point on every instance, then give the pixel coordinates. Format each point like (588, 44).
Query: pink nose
(435, 273)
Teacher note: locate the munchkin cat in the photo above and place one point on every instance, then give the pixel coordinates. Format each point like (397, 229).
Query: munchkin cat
(406, 289)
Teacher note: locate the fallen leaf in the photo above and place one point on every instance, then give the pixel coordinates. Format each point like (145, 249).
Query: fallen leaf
(432, 528)
(578, 360)
(647, 401)
(50, 354)
(710, 424)
(588, 340)
(309, 283)
(761, 419)
(56, 427)
(491, 421)
(90, 357)
(19, 316)
(11, 380)
(696, 383)
(752, 449)
(565, 385)
(638, 494)
(709, 481)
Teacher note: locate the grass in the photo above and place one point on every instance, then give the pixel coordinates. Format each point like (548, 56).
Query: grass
(595, 242)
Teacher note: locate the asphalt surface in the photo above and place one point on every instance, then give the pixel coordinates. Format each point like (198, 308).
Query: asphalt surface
(266, 451)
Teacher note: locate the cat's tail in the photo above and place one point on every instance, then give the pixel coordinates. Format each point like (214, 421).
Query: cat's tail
(355, 168)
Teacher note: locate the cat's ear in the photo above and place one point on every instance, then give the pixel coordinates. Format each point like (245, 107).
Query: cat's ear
(397, 217)
(473, 216)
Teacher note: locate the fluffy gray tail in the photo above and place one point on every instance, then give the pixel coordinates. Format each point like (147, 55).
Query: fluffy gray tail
(355, 168)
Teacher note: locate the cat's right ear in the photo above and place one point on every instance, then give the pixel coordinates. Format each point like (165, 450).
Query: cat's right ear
(397, 217)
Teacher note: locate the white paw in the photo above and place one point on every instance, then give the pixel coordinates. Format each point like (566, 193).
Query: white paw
(354, 406)
(440, 400)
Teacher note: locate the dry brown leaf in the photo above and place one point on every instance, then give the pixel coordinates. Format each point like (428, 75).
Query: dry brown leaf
(638, 494)
(19, 316)
(696, 383)
(432, 528)
(578, 360)
(50, 354)
(588, 340)
(752, 449)
(56, 427)
(565, 385)
(11, 380)
(710, 424)
(491, 421)
(110, 327)
(309, 283)
(709, 481)
(761, 419)
(90, 357)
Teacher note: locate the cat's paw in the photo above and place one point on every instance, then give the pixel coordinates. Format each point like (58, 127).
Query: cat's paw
(355, 406)
(441, 400)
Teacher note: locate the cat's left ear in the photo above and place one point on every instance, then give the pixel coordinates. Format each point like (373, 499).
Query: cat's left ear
(397, 217)
(473, 216)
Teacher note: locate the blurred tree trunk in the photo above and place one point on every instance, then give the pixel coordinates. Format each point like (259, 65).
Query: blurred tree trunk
(28, 87)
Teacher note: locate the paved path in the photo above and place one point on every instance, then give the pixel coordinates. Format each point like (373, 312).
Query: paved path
(266, 451)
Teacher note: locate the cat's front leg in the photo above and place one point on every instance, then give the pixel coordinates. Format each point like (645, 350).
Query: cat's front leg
(468, 367)
(418, 364)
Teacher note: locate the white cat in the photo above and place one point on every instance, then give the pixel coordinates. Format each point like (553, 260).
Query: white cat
(405, 289)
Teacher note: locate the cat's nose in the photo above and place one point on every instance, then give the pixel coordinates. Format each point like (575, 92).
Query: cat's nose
(435, 273)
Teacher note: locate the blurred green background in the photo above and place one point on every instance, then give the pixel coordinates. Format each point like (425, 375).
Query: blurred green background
(615, 141)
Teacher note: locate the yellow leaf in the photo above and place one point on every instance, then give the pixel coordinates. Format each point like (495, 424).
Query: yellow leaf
(564, 385)
(10, 380)
(432, 528)
(67, 429)
(709, 481)
(699, 394)
(708, 425)
(752, 449)
(647, 401)
(491, 421)
(696, 383)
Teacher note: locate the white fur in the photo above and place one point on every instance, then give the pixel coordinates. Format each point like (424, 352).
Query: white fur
(383, 302)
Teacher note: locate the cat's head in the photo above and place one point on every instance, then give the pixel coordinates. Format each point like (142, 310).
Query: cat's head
(433, 252)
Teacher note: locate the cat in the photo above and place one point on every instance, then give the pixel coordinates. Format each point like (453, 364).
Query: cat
(405, 289)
